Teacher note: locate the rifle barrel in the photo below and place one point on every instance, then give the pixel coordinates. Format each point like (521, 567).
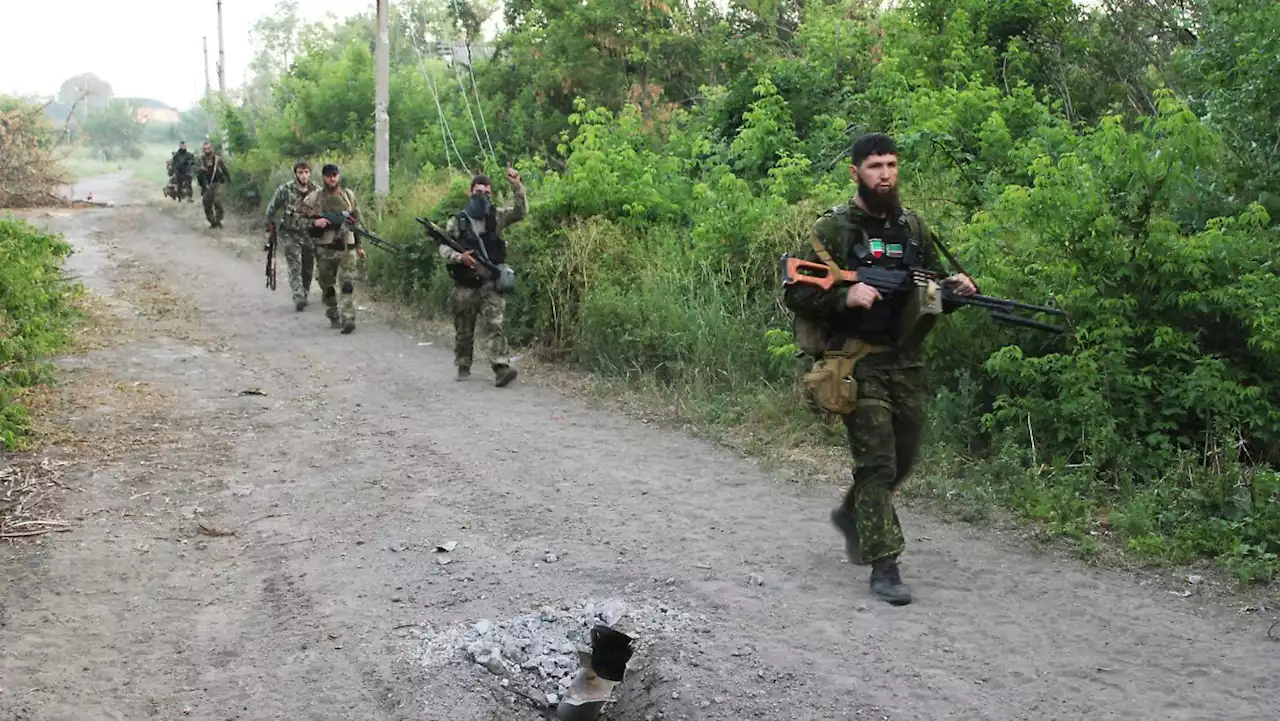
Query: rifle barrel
(986, 301)
(1028, 322)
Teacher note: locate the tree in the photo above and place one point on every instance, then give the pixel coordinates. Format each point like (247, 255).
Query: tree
(114, 131)
(94, 91)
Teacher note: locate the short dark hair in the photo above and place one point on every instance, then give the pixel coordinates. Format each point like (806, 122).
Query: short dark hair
(300, 165)
(480, 180)
(871, 144)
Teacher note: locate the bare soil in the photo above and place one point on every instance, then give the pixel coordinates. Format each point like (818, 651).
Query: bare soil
(246, 556)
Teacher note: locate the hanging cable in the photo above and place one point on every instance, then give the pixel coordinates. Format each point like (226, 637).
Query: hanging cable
(444, 123)
(474, 88)
(475, 128)
(461, 86)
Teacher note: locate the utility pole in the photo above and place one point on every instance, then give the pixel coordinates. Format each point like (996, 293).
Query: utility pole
(381, 131)
(208, 91)
(222, 81)
(222, 57)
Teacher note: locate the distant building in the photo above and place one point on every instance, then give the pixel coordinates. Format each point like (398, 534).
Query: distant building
(147, 110)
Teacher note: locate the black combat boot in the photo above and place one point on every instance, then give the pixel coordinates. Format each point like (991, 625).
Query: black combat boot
(503, 374)
(348, 326)
(464, 373)
(886, 583)
(299, 305)
(848, 525)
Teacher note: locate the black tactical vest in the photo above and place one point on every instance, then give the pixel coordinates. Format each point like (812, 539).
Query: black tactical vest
(494, 247)
(889, 243)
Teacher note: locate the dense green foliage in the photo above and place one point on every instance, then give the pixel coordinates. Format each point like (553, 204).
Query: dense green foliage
(36, 313)
(1116, 161)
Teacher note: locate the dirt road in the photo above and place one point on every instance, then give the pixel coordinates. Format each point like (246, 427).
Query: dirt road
(330, 601)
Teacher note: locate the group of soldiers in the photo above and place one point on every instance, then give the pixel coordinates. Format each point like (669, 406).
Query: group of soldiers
(884, 378)
(211, 172)
(295, 214)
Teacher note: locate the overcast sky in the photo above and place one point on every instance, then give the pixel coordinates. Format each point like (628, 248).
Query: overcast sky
(144, 48)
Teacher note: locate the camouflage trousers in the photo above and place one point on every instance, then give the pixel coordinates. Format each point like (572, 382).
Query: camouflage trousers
(300, 258)
(884, 437)
(336, 275)
(488, 305)
(212, 204)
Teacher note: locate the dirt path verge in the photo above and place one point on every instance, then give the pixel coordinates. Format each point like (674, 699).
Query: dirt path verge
(239, 555)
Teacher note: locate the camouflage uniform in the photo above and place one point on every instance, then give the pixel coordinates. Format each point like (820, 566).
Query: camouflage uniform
(335, 266)
(299, 250)
(212, 174)
(475, 297)
(180, 167)
(885, 429)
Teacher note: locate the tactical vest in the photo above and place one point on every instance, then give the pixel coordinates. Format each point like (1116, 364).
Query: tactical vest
(897, 247)
(291, 218)
(493, 247)
(332, 202)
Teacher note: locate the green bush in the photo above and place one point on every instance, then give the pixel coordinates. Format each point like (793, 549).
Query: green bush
(36, 315)
(669, 163)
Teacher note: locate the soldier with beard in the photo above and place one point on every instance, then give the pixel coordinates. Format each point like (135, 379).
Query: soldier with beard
(885, 425)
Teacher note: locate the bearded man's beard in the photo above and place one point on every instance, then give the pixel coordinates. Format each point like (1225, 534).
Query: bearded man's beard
(879, 203)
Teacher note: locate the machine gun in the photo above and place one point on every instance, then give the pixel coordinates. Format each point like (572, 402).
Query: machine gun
(505, 275)
(927, 298)
(342, 220)
(271, 256)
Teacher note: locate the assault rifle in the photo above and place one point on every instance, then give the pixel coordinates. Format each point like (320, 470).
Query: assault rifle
(271, 256)
(932, 297)
(506, 277)
(342, 220)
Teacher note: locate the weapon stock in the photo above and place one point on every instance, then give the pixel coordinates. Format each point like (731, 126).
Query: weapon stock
(894, 282)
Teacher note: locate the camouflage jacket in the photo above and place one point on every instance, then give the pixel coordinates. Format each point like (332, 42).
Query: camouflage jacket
(182, 161)
(287, 202)
(506, 217)
(212, 169)
(840, 230)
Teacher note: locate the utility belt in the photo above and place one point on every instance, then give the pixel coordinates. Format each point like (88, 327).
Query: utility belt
(830, 384)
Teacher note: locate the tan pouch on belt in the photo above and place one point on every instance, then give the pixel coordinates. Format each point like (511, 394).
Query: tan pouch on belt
(831, 384)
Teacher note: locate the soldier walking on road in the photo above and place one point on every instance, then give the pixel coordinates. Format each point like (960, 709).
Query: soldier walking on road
(884, 428)
(479, 227)
(212, 174)
(180, 168)
(336, 254)
(299, 250)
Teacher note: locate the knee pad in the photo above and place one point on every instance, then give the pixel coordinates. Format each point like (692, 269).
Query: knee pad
(348, 287)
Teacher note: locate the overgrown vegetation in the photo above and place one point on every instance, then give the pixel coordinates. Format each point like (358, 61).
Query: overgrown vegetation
(36, 315)
(29, 169)
(1119, 160)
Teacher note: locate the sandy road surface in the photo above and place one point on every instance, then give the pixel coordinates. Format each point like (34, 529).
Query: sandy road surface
(364, 454)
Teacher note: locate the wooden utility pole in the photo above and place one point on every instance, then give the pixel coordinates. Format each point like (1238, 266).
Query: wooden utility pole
(222, 57)
(222, 81)
(381, 130)
(208, 92)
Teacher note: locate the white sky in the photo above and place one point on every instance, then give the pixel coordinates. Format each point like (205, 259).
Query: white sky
(144, 48)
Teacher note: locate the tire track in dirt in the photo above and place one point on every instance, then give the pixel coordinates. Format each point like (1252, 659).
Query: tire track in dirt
(364, 454)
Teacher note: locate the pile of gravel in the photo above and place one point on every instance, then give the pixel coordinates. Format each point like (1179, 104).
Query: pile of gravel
(540, 650)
